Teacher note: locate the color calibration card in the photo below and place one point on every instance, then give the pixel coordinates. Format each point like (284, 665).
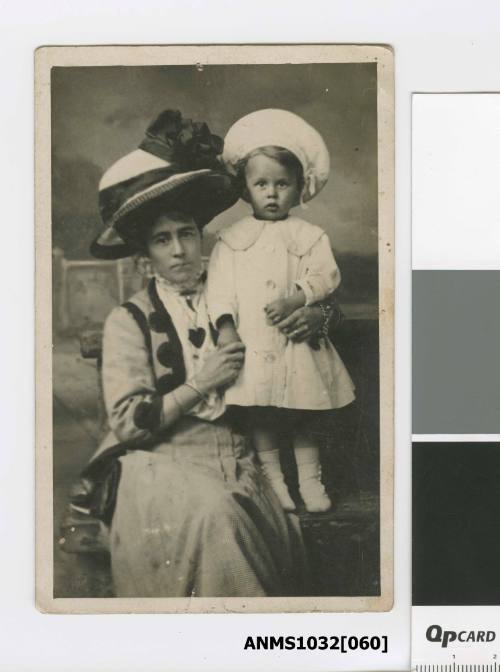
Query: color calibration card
(456, 382)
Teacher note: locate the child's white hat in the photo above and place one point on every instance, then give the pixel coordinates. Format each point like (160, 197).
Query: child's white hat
(280, 128)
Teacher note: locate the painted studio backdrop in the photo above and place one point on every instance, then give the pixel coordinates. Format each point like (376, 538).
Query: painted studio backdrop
(98, 115)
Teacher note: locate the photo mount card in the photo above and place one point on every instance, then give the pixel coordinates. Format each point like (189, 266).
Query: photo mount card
(93, 107)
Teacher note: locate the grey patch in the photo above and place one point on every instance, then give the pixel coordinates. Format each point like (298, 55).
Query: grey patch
(456, 352)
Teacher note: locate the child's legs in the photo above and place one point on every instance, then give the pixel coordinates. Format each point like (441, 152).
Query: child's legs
(306, 448)
(265, 440)
(307, 457)
(262, 423)
(266, 443)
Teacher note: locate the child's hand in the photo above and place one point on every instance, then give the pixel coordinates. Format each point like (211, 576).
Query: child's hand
(280, 309)
(227, 335)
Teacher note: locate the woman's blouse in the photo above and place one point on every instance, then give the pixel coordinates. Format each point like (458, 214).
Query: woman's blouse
(141, 365)
(190, 317)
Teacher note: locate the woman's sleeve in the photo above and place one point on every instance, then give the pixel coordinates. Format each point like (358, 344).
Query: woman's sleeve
(322, 276)
(220, 292)
(133, 406)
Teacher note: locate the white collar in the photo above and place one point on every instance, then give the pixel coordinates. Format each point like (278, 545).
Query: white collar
(298, 235)
(178, 288)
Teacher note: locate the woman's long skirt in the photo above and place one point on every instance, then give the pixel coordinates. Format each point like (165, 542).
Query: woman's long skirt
(196, 517)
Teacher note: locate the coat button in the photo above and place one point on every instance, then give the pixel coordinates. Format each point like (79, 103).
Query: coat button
(269, 358)
(270, 284)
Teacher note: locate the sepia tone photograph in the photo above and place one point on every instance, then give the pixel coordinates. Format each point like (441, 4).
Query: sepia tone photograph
(214, 328)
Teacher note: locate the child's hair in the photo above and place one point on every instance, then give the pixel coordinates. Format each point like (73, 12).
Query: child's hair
(279, 154)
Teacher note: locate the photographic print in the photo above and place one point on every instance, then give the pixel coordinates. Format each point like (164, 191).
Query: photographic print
(215, 308)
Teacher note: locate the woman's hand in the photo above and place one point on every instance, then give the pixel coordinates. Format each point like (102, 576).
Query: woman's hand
(302, 323)
(221, 368)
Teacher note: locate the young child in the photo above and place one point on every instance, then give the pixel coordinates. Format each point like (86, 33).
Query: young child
(262, 269)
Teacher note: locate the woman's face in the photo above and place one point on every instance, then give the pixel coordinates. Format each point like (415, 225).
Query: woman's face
(174, 247)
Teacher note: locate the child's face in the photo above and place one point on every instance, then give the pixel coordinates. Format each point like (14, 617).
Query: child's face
(272, 188)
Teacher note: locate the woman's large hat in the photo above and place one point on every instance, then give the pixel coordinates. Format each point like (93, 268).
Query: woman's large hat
(280, 128)
(176, 167)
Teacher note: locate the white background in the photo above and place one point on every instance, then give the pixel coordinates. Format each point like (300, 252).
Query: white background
(439, 45)
(456, 173)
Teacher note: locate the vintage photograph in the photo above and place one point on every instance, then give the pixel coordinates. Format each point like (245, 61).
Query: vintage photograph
(214, 328)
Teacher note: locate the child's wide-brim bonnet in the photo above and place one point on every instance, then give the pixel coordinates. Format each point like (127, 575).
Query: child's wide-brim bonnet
(177, 166)
(280, 128)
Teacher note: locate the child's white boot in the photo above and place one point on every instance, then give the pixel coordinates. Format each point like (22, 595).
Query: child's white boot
(311, 488)
(271, 467)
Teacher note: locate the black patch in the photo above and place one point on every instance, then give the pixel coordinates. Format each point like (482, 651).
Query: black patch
(168, 382)
(456, 517)
(170, 352)
(167, 355)
(157, 322)
(147, 415)
(213, 333)
(197, 336)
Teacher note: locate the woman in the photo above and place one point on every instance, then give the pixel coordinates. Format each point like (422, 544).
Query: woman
(193, 514)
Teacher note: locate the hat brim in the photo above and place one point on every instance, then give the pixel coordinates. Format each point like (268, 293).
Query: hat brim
(109, 245)
(202, 194)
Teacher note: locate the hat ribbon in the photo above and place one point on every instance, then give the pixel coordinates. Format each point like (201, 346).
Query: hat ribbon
(186, 143)
(309, 187)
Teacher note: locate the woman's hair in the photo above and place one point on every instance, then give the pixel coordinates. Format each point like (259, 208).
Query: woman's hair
(136, 228)
(283, 156)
